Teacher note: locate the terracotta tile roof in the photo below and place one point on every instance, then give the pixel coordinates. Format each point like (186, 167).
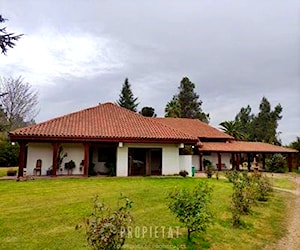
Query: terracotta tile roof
(243, 146)
(103, 122)
(195, 127)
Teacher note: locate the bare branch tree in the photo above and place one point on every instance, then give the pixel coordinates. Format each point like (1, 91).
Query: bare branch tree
(20, 102)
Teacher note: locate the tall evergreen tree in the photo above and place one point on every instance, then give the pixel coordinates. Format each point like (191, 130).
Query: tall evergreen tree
(265, 123)
(244, 122)
(126, 98)
(187, 101)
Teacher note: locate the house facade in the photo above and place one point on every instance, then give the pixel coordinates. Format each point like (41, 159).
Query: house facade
(110, 140)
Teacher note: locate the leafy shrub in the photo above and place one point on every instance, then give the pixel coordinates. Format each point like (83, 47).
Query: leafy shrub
(209, 170)
(191, 207)
(9, 154)
(107, 229)
(243, 196)
(276, 164)
(183, 173)
(187, 150)
(232, 175)
(206, 163)
(263, 186)
(247, 188)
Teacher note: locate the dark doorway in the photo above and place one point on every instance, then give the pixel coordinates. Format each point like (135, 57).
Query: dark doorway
(103, 159)
(144, 161)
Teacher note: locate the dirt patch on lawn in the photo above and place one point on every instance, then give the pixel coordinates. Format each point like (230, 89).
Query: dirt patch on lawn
(292, 239)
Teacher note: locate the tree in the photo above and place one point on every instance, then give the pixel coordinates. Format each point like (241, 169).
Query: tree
(187, 101)
(232, 128)
(296, 145)
(126, 98)
(7, 39)
(148, 112)
(244, 121)
(191, 207)
(265, 123)
(173, 108)
(261, 127)
(20, 103)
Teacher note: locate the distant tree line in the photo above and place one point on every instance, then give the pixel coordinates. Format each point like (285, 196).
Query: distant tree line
(260, 127)
(18, 108)
(247, 126)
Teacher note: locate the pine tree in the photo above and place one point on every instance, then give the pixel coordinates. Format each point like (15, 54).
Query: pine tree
(244, 122)
(126, 98)
(187, 101)
(7, 39)
(265, 123)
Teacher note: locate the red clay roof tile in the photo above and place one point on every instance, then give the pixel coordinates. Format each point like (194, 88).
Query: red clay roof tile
(105, 121)
(194, 127)
(244, 146)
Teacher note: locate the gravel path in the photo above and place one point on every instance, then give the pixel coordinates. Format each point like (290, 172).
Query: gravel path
(292, 239)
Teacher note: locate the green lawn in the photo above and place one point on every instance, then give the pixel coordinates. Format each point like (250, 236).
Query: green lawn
(42, 214)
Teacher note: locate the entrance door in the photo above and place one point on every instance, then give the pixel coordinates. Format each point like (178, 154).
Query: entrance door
(144, 161)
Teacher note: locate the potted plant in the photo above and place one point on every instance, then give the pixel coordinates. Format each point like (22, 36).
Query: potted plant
(81, 165)
(49, 170)
(69, 166)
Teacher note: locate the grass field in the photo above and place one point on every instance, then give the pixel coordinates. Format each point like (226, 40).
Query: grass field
(42, 214)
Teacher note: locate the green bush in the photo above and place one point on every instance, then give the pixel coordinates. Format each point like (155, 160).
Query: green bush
(247, 189)
(243, 196)
(276, 164)
(191, 207)
(232, 175)
(183, 173)
(263, 186)
(9, 154)
(107, 229)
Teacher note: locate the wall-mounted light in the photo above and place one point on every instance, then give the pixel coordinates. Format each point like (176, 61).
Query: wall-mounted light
(120, 144)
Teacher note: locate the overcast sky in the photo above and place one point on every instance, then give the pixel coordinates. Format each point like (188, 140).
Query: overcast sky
(78, 53)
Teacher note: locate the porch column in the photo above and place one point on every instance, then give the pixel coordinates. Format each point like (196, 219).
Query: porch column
(233, 161)
(264, 160)
(290, 162)
(54, 158)
(200, 162)
(248, 161)
(86, 159)
(148, 162)
(22, 163)
(238, 161)
(219, 162)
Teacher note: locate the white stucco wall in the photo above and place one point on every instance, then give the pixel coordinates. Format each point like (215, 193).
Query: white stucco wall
(185, 163)
(75, 153)
(37, 151)
(122, 161)
(170, 157)
(44, 151)
(195, 162)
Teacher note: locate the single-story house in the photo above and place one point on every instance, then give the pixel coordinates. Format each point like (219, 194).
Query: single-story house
(108, 139)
